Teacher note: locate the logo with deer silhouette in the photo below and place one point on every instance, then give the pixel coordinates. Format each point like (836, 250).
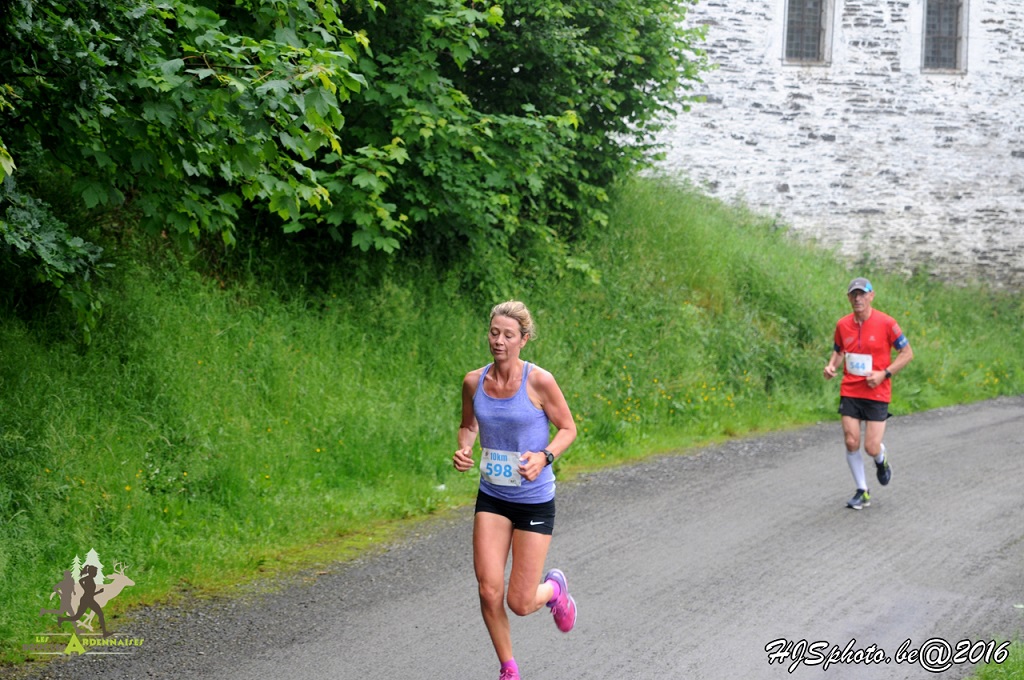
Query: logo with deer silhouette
(85, 591)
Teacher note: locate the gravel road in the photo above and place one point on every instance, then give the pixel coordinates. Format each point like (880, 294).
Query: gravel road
(683, 567)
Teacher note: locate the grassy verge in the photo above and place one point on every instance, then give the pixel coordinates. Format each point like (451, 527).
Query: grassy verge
(1012, 668)
(211, 434)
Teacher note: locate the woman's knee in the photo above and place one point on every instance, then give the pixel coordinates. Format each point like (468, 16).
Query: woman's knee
(491, 595)
(521, 603)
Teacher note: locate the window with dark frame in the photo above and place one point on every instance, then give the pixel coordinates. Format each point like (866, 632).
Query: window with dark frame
(942, 34)
(805, 31)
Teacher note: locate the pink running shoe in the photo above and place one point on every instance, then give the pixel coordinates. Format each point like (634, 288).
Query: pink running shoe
(563, 608)
(509, 674)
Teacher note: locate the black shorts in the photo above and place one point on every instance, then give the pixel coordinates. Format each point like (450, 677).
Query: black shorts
(536, 517)
(864, 409)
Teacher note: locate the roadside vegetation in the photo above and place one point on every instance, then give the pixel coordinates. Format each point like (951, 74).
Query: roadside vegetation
(217, 430)
(1010, 668)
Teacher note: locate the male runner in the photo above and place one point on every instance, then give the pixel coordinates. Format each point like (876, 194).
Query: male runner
(863, 342)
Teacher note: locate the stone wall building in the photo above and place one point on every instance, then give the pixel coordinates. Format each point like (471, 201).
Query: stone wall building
(888, 130)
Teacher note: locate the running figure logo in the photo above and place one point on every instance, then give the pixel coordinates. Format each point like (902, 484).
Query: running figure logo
(84, 591)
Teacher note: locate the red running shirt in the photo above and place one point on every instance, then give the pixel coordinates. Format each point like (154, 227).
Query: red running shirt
(876, 337)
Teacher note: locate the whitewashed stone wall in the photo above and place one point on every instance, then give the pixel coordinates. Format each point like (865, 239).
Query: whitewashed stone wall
(869, 156)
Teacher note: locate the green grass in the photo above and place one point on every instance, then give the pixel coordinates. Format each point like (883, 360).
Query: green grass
(1012, 668)
(214, 434)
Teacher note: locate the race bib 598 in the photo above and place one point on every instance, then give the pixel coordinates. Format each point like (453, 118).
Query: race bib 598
(500, 467)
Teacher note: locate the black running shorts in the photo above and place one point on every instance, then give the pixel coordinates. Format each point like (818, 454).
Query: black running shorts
(864, 409)
(536, 517)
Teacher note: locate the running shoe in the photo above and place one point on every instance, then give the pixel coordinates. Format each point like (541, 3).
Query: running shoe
(861, 499)
(509, 674)
(564, 607)
(884, 472)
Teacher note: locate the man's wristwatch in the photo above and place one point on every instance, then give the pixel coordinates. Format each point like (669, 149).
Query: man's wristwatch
(888, 374)
(550, 457)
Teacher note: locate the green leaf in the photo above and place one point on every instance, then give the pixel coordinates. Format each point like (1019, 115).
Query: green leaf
(7, 166)
(369, 181)
(94, 194)
(278, 87)
(283, 205)
(171, 66)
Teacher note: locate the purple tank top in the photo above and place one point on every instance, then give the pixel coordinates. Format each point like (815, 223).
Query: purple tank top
(514, 424)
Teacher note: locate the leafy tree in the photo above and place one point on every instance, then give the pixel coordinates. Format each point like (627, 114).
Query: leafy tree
(460, 130)
(37, 247)
(622, 66)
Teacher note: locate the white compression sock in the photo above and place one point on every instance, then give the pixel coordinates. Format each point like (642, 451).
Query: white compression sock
(880, 458)
(856, 462)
